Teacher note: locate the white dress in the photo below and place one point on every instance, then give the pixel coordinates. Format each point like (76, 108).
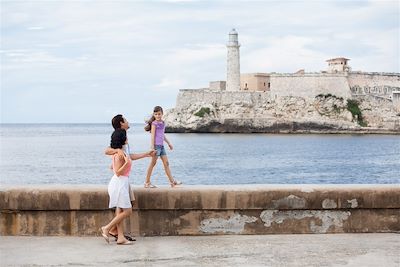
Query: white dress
(118, 190)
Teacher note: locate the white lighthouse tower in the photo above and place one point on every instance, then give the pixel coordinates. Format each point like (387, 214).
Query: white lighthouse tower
(233, 63)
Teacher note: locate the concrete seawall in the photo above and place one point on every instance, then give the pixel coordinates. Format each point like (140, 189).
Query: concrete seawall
(80, 210)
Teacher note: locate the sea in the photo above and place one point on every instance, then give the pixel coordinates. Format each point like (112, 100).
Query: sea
(74, 154)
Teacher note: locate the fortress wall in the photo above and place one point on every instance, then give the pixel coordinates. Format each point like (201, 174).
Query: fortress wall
(374, 83)
(188, 97)
(306, 85)
(396, 100)
(248, 99)
(309, 85)
(203, 210)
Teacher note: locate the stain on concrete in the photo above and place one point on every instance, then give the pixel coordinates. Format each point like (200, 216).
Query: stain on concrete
(290, 201)
(327, 218)
(74, 201)
(235, 224)
(353, 203)
(329, 204)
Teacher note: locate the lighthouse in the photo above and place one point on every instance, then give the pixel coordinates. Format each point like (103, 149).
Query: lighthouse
(233, 63)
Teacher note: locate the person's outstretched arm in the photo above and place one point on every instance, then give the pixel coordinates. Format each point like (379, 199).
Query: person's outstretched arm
(142, 155)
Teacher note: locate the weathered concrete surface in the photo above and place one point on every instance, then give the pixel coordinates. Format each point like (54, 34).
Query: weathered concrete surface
(245, 250)
(214, 197)
(204, 210)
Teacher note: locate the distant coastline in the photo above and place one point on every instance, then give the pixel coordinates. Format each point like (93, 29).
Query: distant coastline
(335, 100)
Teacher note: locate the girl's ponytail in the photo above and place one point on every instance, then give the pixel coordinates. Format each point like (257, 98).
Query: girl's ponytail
(147, 128)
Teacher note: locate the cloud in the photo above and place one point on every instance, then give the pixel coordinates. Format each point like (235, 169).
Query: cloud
(75, 51)
(35, 28)
(196, 54)
(283, 54)
(167, 82)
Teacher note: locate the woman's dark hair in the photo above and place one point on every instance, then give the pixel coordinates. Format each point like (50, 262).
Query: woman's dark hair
(116, 121)
(118, 138)
(149, 122)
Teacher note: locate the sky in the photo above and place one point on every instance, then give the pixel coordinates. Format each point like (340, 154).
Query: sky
(86, 61)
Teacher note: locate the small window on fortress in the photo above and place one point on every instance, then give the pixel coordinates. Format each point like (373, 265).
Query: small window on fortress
(269, 85)
(264, 84)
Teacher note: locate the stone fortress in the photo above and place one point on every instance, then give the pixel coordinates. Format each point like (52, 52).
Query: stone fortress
(337, 100)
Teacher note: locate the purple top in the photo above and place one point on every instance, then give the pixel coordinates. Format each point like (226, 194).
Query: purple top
(159, 136)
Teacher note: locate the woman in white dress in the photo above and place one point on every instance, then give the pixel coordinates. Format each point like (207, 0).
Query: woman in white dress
(118, 188)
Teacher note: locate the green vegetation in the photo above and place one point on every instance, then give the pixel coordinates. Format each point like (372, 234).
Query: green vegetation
(202, 112)
(353, 107)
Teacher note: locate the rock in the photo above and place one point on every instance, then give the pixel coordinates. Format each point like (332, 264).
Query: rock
(257, 112)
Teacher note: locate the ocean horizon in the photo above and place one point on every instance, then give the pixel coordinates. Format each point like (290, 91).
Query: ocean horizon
(73, 153)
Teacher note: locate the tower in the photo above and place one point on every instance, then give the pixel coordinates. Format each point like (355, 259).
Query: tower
(233, 63)
(338, 65)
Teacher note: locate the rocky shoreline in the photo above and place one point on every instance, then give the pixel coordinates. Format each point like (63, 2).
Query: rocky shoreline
(279, 128)
(219, 112)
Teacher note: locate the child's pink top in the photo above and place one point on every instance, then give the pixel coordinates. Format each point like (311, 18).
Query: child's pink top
(128, 169)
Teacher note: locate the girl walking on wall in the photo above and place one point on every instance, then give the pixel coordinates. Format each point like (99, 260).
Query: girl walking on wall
(156, 127)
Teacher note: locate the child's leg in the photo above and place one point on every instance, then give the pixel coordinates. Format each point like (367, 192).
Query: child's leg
(165, 162)
(150, 169)
(121, 237)
(122, 215)
(114, 229)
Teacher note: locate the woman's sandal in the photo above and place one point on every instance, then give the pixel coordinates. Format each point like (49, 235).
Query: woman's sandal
(127, 236)
(175, 183)
(130, 237)
(115, 236)
(149, 185)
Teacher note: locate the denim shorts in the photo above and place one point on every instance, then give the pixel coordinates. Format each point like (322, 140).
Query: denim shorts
(160, 151)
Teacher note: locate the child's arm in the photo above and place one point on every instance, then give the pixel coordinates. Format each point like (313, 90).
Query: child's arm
(142, 155)
(153, 136)
(168, 142)
(120, 164)
(110, 151)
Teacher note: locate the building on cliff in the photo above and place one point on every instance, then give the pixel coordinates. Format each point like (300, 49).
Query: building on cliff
(337, 80)
(265, 102)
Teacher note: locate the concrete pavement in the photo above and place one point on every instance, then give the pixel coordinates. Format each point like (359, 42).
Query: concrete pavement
(221, 250)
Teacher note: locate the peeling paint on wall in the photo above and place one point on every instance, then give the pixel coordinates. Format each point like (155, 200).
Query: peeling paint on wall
(353, 203)
(291, 201)
(328, 218)
(235, 224)
(329, 204)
